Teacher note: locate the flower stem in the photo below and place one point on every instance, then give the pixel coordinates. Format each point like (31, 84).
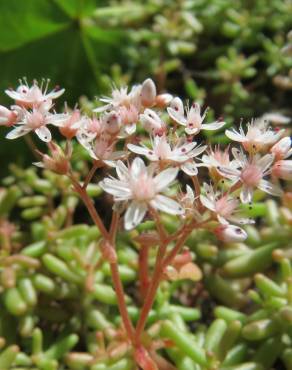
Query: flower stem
(109, 239)
(160, 265)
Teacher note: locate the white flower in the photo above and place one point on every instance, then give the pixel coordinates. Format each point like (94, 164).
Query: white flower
(257, 137)
(223, 205)
(37, 121)
(101, 148)
(180, 155)
(250, 173)
(193, 119)
(120, 97)
(34, 96)
(217, 158)
(142, 189)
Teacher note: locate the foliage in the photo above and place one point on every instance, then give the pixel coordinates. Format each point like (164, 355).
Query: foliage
(227, 57)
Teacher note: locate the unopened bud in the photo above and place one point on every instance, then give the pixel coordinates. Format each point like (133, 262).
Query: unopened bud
(230, 233)
(148, 93)
(58, 161)
(112, 123)
(282, 149)
(7, 117)
(283, 169)
(163, 100)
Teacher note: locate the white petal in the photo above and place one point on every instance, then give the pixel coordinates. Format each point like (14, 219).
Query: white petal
(265, 162)
(176, 116)
(130, 129)
(167, 205)
(270, 188)
(190, 193)
(213, 126)
(122, 171)
(13, 94)
(230, 173)
(17, 132)
(39, 164)
(116, 188)
(139, 149)
(190, 168)
(246, 194)
(164, 178)
(207, 203)
(239, 156)
(177, 105)
(197, 151)
(137, 167)
(44, 134)
(134, 214)
(192, 131)
(235, 136)
(55, 94)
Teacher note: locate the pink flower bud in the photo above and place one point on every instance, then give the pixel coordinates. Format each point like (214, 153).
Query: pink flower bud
(163, 100)
(282, 148)
(112, 123)
(148, 93)
(58, 161)
(230, 233)
(283, 169)
(7, 117)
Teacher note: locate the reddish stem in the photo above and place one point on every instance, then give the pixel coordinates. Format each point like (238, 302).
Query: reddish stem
(109, 239)
(90, 174)
(143, 270)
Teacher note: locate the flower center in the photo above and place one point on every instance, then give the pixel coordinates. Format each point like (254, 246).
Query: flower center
(143, 188)
(251, 175)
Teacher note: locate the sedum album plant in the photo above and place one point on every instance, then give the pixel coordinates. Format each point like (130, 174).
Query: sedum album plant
(147, 151)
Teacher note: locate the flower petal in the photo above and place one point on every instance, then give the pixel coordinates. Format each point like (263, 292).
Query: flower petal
(122, 171)
(137, 167)
(270, 188)
(190, 168)
(166, 205)
(207, 203)
(246, 194)
(177, 116)
(17, 132)
(164, 178)
(235, 136)
(44, 134)
(213, 126)
(134, 214)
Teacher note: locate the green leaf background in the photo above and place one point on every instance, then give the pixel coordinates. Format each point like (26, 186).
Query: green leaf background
(53, 39)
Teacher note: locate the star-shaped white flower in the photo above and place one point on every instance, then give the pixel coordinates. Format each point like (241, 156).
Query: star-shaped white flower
(251, 173)
(191, 118)
(182, 154)
(138, 185)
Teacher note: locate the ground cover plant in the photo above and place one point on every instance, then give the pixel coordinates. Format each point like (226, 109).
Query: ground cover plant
(133, 242)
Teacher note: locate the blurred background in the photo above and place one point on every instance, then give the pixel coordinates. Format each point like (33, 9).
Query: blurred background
(237, 59)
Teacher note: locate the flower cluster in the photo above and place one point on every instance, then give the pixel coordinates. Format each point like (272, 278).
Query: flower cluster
(134, 126)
